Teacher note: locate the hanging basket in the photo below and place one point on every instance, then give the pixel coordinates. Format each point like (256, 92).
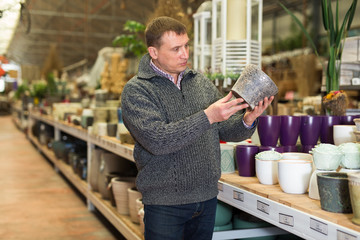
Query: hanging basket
(336, 103)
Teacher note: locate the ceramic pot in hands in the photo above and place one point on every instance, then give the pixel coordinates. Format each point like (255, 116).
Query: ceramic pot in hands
(269, 130)
(327, 125)
(254, 85)
(310, 129)
(289, 130)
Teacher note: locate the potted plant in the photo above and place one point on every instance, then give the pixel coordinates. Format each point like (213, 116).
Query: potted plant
(132, 42)
(336, 35)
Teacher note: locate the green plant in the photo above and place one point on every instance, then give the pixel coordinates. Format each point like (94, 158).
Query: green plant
(22, 90)
(132, 42)
(336, 35)
(39, 90)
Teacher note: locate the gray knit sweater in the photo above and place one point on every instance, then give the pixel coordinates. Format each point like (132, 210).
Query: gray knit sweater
(177, 151)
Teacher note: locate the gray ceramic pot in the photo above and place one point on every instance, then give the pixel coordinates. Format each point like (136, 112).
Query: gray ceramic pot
(334, 192)
(254, 85)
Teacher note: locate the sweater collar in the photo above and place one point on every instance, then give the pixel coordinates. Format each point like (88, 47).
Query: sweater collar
(146, 71)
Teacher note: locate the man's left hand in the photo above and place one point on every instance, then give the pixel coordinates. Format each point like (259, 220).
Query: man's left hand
(251, 115)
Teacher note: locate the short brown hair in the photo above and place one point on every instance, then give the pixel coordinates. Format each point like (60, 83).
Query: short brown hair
(158, 26)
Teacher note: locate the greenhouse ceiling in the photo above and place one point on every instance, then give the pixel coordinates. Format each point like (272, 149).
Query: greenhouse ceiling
(78, 28)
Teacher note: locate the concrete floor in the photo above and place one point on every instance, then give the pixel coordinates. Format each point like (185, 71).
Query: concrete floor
(35, 201)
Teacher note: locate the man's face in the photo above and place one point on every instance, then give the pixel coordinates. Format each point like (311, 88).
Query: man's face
(173, 54)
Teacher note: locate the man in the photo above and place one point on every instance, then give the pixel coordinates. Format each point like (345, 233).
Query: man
(177, 118)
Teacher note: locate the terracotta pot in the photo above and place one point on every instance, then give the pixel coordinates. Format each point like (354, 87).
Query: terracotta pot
(334, 192)
(354, 188)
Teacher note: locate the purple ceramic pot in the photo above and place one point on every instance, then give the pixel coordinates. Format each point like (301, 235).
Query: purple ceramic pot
(245, 159)
(307, 148)
(348, 119)
(267, 148)
(310, 129)
(289, 130)
(269, 130)
(292, 148)
(326, 132)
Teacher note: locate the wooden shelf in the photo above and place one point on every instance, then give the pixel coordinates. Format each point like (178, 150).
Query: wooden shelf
(297, 214)
(122, 223)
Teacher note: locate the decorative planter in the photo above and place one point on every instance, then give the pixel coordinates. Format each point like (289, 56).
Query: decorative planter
(354, 188)
(269, 130)
(310, 129)
(289, 130)
(245, 158)
(326, 132)
(227, 158)
(254, 85)
(334, 192)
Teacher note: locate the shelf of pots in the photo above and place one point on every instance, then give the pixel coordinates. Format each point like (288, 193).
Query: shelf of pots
(295, 213)
(122, 222)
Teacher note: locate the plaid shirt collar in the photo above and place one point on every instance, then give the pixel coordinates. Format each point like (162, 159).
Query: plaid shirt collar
(166, 75)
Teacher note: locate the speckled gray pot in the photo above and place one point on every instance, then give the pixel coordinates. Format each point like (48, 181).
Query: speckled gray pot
(334, 192)
(254, 85)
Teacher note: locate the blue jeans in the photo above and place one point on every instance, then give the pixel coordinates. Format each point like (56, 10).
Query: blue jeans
(189, 221)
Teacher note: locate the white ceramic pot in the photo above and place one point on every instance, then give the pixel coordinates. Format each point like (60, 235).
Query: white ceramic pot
(266, 171)
(344, 134)
(297, 156)
(294, 175)
(313, 185)
(327, 160)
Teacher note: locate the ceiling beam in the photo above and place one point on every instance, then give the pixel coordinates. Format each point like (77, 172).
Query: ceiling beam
(72, 33)
(77, 15)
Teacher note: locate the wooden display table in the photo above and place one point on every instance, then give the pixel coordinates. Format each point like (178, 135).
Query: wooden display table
(296, 213)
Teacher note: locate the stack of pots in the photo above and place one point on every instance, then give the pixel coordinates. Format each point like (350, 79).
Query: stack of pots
(110, 166)
(134, 195)
(120, 186)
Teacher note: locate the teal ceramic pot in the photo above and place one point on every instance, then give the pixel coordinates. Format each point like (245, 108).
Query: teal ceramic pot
(334, 192)
(223, 214)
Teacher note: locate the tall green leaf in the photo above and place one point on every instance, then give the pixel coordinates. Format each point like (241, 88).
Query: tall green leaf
(331, 25)
(352, 13)
(324, 10)
(297, 21)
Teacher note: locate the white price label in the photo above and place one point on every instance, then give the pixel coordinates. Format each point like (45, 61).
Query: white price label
(286, 219)
(238, 196)
(263, 207)
(319, 226)
(345, 236)
(220, 186)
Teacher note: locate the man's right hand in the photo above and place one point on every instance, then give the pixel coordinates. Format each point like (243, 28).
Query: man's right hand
(223, 109)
